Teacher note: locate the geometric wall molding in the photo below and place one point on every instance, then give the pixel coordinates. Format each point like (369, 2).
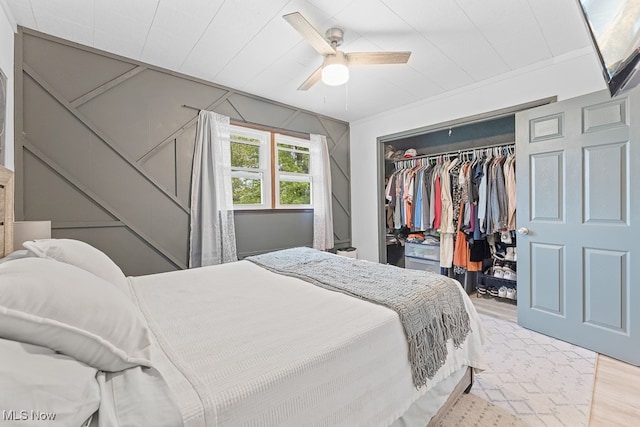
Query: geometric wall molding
(108, 139)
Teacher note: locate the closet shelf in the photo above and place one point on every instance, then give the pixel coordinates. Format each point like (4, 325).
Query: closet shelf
(496, 282)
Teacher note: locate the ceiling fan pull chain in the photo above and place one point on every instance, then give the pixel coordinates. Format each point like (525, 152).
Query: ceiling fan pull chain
(346, 97)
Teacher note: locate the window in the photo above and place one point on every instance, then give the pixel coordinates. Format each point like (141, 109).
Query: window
(293, 182)
(250, 169)
(269, 170)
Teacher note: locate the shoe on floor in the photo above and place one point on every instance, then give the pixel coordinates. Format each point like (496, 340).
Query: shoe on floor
(493, 292)
(511, 293)
(481, 290)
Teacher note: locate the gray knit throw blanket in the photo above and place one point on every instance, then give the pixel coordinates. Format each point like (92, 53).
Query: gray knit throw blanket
(429, 305)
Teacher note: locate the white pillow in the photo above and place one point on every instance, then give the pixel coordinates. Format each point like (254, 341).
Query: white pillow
(19, 254)
(64, 308)
(82, 255)
(37, 379)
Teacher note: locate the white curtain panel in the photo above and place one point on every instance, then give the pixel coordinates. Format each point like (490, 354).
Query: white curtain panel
(212, 237)
(321, 184)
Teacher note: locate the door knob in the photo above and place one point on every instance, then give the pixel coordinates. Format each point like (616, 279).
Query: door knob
(523, 230)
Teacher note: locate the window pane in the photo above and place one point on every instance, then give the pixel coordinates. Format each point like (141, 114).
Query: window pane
(245, 155)
(295, 193)
(293, 147)
(289, 161)
(246, 191)
(245, 138)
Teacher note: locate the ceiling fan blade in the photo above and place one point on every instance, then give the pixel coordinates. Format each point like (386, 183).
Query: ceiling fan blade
(314, 78)
(368, 58)
(310, 34)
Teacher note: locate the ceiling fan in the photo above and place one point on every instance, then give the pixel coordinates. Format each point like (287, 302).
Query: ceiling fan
(334, 70)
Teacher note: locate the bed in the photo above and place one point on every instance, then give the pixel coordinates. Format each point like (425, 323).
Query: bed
(232, 345)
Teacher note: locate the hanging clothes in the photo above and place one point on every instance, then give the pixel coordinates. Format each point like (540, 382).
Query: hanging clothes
(456, 191)
(482, 201)
(461, 251)
(446, 220)
(447, 230)
(510, 183)
(408, 195)
(438, 201)
(425, 207)
(500, 219)
(474, 196)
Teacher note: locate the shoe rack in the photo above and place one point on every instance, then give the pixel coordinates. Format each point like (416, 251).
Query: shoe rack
(500, 280)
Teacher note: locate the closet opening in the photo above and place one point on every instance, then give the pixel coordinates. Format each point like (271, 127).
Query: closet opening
(448, 202)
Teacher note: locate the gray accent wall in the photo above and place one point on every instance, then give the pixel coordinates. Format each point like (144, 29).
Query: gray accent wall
(104, 150)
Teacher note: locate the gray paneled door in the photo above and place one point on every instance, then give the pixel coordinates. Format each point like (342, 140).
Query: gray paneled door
(578, 189)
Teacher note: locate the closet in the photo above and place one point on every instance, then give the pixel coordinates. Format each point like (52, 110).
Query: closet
(450, 205)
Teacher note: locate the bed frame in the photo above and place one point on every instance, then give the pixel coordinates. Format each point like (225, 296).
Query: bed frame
(6, 247)
(463, 386)
(6, 211)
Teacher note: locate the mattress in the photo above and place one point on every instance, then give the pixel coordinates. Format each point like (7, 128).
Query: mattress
(241, 346)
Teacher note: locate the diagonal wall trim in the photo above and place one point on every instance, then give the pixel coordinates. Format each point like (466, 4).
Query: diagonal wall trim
(236, 110)
(60, 225)
(105, 87)
(339, 141)
(289, 119)
(47, 87)
(181, 130)
(340, 169)
(35, 33)
(346, 175)
(100, 202)
(341, 205)
(326, 131)
(159, 174)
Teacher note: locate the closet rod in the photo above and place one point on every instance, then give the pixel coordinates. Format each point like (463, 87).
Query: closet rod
(288, 132)
(465, 151)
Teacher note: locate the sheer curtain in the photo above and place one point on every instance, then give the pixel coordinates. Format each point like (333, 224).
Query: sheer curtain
(321, 183)
(213, 237)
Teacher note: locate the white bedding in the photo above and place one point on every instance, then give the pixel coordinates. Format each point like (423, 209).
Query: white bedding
(241, 346)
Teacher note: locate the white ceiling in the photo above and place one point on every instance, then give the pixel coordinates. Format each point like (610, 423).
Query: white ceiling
(246, 45)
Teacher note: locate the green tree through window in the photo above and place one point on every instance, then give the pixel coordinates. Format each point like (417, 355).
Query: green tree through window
(293, 172)
(252, 174)
(246, 191)
(295, 193)
(245, 155)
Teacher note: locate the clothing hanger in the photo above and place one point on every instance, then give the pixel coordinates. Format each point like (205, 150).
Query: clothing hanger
(454, 162)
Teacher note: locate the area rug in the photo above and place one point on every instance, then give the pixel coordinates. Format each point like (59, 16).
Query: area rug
(532, 380)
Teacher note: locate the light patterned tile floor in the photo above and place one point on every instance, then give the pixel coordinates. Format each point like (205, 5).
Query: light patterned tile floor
(532, 380)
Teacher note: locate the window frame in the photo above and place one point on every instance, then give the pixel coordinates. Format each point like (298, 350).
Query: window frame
(271, 176)
(279, 138)
(264, 166)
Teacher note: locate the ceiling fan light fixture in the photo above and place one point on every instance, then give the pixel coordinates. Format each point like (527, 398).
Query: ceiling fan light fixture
(335, 74)
(334, 70)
